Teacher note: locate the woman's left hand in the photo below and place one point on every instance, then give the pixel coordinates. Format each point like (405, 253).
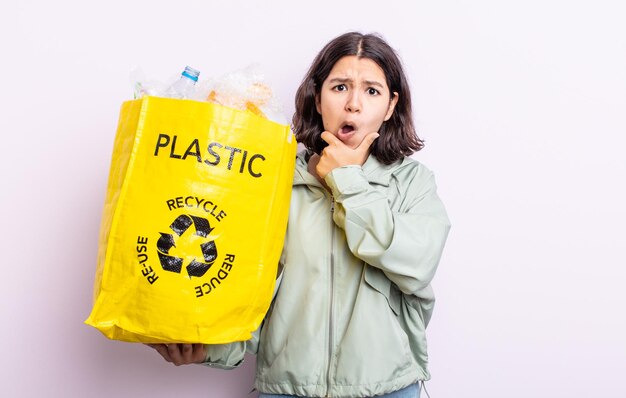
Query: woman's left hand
(181, 354)
(338, 154)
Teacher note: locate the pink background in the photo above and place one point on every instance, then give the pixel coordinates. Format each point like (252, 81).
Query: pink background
(522, 108)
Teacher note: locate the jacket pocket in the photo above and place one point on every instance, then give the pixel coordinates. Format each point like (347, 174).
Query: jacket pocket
(379, 281)
(374, 348)
(409, 313)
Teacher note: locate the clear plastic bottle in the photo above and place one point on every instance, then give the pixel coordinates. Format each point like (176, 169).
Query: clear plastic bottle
(184, 87)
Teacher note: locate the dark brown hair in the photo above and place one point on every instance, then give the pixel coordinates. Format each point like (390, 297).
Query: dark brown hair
(397, 135)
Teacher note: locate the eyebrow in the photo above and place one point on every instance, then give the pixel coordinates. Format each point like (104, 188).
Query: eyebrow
(347, 80)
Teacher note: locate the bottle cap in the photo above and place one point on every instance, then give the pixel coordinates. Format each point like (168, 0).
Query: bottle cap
(191, 73)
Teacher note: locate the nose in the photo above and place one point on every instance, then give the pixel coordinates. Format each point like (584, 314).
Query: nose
(354, 103)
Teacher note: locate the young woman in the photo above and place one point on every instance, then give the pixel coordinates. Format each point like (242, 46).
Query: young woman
(366, 232)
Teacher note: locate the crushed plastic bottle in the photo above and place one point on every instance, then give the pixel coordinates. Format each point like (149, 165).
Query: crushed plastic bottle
(184, 87)
(145, 87)
(244, 89)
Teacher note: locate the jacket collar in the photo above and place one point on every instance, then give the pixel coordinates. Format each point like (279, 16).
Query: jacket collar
(376, 172)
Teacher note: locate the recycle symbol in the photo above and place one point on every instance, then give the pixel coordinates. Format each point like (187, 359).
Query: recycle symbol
(174, 264)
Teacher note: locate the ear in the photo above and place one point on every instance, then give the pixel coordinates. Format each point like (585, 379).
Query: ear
(318, 104)
(392, 106)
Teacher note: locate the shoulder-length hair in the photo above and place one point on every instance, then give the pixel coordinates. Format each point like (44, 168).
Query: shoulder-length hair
(397, 136)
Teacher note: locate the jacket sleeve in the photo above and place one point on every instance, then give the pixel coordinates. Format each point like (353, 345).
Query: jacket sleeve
(405, 242)
(231, 355)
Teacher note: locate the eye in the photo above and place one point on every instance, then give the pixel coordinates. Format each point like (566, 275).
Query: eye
(340, 87)
(373, 91)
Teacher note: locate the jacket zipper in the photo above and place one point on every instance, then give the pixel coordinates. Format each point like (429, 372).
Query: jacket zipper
(332, 294)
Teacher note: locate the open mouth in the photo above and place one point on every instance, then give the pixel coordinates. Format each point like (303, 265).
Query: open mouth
(346, 129)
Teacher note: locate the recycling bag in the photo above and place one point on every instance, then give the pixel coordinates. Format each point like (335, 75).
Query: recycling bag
(193, 224)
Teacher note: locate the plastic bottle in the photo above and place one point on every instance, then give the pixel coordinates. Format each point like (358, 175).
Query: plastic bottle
(184, 87)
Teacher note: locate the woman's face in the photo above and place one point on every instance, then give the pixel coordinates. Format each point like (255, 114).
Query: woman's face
(354, 100)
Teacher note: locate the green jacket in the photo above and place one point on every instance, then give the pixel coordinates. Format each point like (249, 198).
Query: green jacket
(350, 314)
